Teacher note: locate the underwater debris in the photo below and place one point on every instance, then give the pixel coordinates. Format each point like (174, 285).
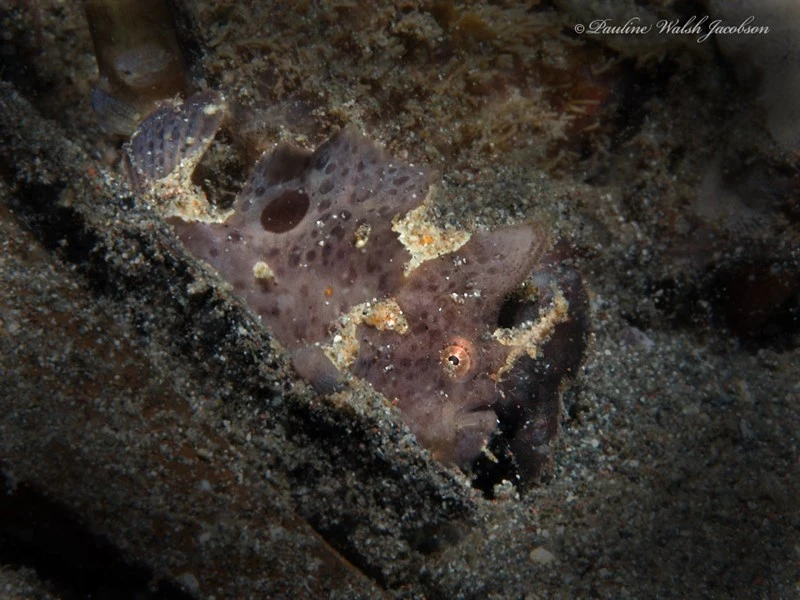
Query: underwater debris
(138, 57)
(767, 61)
(426, 339)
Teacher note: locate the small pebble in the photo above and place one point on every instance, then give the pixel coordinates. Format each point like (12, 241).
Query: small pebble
(541, 556)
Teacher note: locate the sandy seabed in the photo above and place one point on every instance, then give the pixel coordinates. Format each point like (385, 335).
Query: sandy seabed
(154, 441)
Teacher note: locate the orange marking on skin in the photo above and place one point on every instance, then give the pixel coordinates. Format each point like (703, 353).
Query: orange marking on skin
(328, 292)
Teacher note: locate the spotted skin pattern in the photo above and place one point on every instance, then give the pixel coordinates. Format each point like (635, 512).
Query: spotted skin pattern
(311, 236)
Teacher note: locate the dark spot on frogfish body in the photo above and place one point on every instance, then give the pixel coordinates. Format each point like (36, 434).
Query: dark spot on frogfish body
(285, 212)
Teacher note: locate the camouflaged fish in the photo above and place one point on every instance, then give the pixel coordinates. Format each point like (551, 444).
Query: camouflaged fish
(313, 244)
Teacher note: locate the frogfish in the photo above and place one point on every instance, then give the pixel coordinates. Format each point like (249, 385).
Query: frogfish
(471, 343)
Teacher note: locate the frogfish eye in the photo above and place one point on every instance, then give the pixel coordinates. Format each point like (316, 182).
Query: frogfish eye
(459, 359)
